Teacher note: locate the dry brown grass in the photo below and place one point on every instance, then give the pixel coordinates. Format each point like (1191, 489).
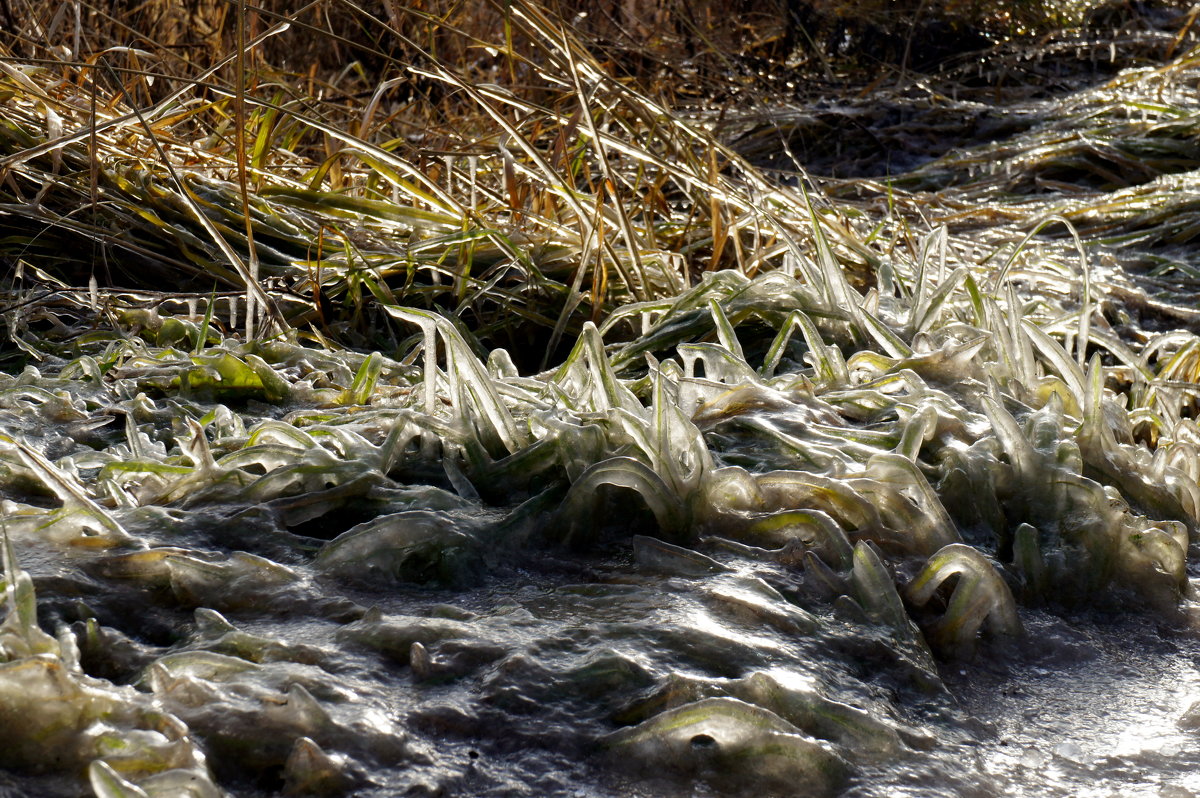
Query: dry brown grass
(524, 166)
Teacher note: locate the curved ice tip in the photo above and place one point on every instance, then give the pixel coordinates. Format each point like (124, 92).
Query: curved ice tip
(420, 661)
(107, 783)
(212, 623)
(311, 771)
(302, 709)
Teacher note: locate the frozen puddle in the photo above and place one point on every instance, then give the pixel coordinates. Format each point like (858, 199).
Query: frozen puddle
(1104, 713)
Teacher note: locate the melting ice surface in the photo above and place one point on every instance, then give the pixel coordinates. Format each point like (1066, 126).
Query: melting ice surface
(606, 674)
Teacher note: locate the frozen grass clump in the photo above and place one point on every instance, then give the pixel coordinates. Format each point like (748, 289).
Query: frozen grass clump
(55, 717)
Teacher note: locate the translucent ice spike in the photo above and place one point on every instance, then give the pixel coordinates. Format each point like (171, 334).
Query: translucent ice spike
(68, 490)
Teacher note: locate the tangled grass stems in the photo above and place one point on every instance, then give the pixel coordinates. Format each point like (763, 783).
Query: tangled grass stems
(523, 203)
